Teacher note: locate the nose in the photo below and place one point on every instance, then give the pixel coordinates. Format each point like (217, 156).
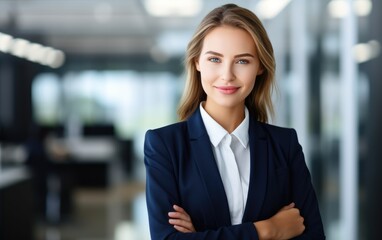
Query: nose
(227, 73)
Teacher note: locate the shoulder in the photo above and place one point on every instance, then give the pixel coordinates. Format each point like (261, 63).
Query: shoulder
(191, 128)
(171, 131)
(277, 132)
(169, 140)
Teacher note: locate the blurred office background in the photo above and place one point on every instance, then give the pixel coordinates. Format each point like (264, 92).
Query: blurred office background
(82, 80)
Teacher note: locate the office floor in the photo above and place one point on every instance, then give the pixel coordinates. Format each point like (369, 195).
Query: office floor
(112, 213)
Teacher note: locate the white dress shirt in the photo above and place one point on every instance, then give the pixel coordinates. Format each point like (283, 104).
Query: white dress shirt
(232, 157)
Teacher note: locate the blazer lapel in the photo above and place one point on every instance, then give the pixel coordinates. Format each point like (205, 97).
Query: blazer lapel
(201, 153)
(259, 172)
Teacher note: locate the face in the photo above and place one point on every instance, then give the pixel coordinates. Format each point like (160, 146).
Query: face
(228, 66)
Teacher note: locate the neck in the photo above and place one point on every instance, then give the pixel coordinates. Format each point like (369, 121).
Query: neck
(228, 117)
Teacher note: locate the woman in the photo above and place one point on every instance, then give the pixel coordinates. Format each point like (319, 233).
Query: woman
(223, 172)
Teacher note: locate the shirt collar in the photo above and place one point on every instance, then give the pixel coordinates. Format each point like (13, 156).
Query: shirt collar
(216, 132)
(241, 132)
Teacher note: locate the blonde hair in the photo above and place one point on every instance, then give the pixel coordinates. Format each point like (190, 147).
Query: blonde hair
(259, 101)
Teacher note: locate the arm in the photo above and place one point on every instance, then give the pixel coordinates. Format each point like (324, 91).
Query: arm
(181, 220)
(303, 193)
(162, 193)
(285, 224)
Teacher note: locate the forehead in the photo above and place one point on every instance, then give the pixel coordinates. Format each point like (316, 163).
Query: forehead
(229, 39)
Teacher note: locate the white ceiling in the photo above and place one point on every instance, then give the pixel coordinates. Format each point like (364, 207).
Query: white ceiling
(101, 26)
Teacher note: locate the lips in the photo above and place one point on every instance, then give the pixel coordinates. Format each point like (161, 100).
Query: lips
(227, 89)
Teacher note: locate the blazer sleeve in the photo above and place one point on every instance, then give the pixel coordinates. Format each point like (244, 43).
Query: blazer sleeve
(162, 192)
(303, 193)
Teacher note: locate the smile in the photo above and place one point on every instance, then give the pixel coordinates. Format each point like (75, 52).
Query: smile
(227, 89)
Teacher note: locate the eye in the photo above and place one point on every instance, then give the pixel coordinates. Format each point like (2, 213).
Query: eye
(214, 59)
(242, 61)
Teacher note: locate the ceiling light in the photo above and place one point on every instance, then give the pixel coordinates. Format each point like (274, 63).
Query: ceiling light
(167, 8)
(267, 9)
(366, 51)
(5, 42)
(56, 58)
(340, 8)
(19, 47)
(33, 52)
(362, 7)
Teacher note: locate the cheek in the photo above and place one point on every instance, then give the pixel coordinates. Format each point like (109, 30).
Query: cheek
(207, 74)
(249, 78)
(205, 84)
(249, 84)
(253, 82)
(249, 87)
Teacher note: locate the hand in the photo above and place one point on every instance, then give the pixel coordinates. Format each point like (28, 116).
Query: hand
(181, 220)
(285, 224)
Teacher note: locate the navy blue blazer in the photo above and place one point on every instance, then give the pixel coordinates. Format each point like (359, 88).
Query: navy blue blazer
(181, 169)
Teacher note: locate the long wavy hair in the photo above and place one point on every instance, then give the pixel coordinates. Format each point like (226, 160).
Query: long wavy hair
(258, 102)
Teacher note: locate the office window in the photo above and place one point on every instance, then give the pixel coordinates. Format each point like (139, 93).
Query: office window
(46, 99)
(130, 101)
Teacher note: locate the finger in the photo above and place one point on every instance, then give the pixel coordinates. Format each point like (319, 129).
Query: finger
(301, 220)
(182, 213)
(181, 223)
(179, 215)
(182, 229)
(179, 209)
(289, 206)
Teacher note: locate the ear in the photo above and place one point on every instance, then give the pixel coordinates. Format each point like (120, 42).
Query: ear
(260, 71)
(197, 64)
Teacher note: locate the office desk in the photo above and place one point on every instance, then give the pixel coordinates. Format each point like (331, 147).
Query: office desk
(17, 214)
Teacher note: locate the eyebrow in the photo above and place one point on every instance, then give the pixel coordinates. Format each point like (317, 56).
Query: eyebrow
(236, 56)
